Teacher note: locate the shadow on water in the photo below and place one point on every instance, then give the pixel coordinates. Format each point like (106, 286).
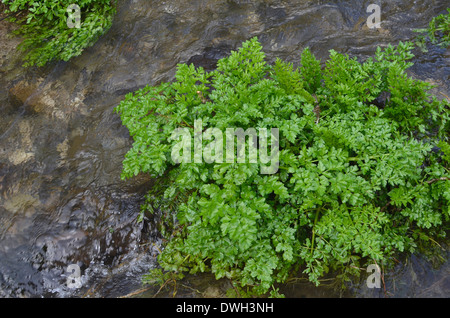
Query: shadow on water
(62, 200)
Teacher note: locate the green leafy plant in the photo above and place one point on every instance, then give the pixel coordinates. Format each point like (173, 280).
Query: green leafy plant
(358, 179)
(438, 32)
(46, 35)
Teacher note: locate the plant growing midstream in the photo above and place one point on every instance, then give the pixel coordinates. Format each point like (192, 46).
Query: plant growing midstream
(363, 171)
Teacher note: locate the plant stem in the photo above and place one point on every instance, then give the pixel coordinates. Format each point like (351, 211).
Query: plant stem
(314, 233)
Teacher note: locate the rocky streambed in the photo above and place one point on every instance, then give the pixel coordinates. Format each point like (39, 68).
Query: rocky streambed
(62, 201)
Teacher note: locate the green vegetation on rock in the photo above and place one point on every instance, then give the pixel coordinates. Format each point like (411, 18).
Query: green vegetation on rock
(438, 32)
(359, 177)
(46, 35)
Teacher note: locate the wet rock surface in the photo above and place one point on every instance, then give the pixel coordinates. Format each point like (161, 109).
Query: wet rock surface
(62, 200)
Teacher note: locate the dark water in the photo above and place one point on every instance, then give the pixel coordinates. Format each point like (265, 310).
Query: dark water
(61, 146)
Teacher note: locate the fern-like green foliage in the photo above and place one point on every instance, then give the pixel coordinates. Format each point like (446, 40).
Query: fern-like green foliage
(358, 179)
(438, 32)
(46, 35)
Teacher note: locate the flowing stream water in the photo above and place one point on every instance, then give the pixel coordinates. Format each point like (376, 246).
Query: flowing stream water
(62, 200)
